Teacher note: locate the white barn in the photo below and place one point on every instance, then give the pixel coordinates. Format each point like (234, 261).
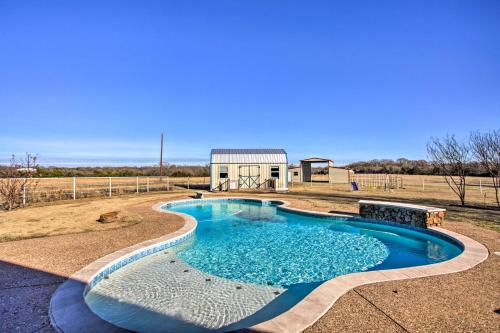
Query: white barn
(235, 169)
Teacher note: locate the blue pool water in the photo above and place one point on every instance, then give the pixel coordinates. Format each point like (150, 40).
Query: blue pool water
(249, 262)
(255, 243)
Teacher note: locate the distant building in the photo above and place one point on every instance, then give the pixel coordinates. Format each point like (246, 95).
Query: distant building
(240, 169)
(27, 170)
(294, 174)
(340, 175)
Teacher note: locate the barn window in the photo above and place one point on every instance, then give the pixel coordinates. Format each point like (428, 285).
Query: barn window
(223, 171)
(275, 172)
(295, 173)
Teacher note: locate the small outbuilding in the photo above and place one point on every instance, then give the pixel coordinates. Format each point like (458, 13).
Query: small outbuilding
(235, 169)
(303, 172)
(306, 167)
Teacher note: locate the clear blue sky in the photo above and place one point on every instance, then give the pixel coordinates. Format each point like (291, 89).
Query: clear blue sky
(98, 81)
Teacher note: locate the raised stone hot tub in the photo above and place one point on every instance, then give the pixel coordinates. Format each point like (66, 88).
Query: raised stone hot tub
(408, 214)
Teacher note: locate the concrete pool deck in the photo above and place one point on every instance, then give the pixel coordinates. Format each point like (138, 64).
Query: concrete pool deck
(26, 286)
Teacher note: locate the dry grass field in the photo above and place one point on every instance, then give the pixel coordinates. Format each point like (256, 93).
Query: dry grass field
(67, 217)
(419, 182)
(480, 205)
(480, 191)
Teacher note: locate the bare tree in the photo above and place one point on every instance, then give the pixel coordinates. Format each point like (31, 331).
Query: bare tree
(14, 178)
(486, 149)
(451, 158)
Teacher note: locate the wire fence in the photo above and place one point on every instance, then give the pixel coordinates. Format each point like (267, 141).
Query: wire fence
(378, 181)
(72, 188)
(480, 190)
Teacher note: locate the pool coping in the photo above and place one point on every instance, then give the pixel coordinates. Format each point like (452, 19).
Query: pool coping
(69, 312)
(394, 204)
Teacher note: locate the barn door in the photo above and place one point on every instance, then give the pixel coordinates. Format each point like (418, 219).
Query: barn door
(249, 176)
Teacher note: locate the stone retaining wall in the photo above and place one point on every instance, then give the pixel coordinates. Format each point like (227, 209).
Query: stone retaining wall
(417, 216)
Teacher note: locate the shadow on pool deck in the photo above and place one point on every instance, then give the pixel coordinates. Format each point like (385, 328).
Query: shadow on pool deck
(24, 298)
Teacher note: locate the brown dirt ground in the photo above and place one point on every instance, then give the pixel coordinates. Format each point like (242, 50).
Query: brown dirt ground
(31, 270)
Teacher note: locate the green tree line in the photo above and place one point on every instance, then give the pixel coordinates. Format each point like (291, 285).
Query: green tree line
(409, 167)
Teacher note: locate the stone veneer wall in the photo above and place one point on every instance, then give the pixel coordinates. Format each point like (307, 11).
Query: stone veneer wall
(405, 215)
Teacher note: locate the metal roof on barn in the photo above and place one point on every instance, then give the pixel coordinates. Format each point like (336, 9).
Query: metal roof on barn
(248, 156)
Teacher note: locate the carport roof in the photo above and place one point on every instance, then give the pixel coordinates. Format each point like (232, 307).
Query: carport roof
(317, 160)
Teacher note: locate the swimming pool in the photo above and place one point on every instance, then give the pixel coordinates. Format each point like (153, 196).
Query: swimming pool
(249, 261)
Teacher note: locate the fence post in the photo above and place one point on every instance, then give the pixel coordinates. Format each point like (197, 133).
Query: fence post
(110, 187)
(24, 193)
(188, 182)
(168, 183)
(137, 184)
(147, 184)
(74, 188)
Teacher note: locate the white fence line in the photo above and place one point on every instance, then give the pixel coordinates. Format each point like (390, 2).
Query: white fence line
(64, 188)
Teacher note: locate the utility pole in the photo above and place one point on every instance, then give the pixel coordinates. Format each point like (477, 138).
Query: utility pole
(161, 156)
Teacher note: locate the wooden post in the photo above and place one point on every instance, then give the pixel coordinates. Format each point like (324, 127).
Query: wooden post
(137, 184)
(110, 187)
(188, 182)
(147, 184)
(24, 194)
(168, 183)
(74, 188)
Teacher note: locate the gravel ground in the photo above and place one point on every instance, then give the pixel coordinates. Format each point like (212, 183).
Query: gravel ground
(31, 270)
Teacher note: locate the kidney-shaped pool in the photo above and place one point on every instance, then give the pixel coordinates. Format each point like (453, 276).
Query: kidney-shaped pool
(250, 261)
